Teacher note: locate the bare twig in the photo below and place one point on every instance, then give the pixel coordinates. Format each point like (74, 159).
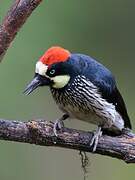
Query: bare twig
(41, 133)
(15, 18)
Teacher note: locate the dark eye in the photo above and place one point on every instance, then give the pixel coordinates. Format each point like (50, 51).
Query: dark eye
(52, 71)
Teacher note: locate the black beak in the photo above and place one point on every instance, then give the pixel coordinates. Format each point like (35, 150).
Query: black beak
(37, 81)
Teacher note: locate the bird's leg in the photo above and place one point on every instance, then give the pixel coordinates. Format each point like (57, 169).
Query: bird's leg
(95, 138)
(59, 124)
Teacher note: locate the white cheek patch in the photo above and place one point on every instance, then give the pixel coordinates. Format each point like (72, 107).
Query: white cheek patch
(41, 68)
(60, 81)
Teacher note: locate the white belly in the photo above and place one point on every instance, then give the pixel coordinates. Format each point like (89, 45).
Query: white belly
(89, 116)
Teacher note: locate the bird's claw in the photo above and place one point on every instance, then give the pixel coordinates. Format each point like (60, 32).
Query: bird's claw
(58, 125)
(95, 138)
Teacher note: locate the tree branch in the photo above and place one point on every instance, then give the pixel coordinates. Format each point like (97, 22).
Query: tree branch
(15, 18)
(41, 133)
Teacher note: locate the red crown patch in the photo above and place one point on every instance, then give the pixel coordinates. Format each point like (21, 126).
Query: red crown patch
(55, 54)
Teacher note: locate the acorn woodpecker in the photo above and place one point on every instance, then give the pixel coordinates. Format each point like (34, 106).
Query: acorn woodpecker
(83, 89)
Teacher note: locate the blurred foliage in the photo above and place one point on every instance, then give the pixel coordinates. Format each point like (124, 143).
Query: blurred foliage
(103, 29)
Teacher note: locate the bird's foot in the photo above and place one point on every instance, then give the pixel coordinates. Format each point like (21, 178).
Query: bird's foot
(59, 124)
(95, 138)
(127, 132)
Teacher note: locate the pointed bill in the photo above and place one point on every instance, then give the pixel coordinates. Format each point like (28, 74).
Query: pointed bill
(32, 86)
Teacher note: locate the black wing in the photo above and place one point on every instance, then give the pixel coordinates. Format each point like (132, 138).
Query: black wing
(111, 93)
(100, 76)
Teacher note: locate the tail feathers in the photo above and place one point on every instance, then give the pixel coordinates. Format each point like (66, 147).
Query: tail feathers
(113, 133)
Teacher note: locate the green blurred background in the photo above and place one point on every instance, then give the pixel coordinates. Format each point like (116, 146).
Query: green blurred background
(103, 29)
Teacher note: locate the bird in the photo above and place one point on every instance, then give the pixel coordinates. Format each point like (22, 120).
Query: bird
(83, 89)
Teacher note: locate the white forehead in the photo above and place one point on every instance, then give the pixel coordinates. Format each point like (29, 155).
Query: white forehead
(41, 68)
